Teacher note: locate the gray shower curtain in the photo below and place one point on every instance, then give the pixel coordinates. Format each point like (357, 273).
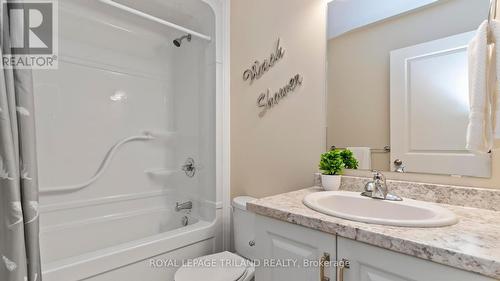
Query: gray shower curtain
(19, 226)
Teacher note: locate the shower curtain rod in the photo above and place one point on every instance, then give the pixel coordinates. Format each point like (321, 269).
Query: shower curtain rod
(155, 19)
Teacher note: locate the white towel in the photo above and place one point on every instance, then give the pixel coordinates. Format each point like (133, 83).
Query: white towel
(495, 92)
(479, 130)
(364, 157)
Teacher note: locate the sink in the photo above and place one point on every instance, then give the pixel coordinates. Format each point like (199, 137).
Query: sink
(353, 206)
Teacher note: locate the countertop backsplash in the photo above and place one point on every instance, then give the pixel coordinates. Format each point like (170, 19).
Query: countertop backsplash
(474, 197)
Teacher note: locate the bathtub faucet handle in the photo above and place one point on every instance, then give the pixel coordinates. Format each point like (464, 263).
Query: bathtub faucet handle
(189, 167)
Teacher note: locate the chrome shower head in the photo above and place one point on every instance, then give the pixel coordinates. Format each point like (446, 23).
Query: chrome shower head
(178, 42)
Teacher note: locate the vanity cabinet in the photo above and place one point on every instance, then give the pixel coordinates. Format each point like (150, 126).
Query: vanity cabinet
(282, 241)
(296, 247)
(370, 263)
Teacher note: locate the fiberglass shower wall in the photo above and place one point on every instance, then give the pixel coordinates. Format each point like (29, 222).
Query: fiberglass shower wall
(120, 75)
(194, 115)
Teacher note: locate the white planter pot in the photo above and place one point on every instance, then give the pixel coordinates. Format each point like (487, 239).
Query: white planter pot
(331, 183)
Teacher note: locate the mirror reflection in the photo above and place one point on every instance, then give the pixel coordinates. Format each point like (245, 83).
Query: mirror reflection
(398, 84)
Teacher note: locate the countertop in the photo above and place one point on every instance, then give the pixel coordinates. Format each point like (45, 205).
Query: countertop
(473, 244)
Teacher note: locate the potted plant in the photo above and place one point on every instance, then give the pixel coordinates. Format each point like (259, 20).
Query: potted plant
(332, 164)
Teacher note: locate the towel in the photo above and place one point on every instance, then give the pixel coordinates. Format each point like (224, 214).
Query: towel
(495, 93)
(479, 129)
(364, 157)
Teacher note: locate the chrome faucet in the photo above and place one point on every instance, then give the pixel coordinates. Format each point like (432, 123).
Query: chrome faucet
(183, 206)
(377, 188)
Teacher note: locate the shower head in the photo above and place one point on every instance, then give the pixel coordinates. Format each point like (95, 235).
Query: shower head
(178, 42)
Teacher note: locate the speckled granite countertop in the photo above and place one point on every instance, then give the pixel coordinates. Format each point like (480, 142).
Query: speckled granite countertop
(473, 244)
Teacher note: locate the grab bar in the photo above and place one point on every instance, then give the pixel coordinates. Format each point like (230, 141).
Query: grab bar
(155, 19)
(104, 164)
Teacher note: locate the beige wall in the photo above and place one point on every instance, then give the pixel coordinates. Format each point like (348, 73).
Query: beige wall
(358, 78)
(279, 152)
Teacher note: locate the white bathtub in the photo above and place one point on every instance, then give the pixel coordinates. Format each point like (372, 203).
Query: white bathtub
(110, 230)
(119, 247)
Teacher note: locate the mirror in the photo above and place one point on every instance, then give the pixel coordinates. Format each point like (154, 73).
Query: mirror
(398, 84)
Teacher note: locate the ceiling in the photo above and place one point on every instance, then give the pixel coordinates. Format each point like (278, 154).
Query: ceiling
(347, 15)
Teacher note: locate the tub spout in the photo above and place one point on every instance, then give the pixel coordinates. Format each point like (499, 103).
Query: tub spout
(183, 206)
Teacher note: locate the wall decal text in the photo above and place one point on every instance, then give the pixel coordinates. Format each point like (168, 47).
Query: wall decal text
(258, 69)
(267, 101)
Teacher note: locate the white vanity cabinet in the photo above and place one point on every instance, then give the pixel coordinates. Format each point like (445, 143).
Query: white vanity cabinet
(370, 263)
(281, 241)
(278, 241)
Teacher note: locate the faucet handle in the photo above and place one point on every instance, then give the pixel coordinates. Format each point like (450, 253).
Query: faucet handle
(377, 175)
(371, 185)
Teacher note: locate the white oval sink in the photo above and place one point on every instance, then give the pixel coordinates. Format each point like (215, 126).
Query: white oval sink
(353, 206)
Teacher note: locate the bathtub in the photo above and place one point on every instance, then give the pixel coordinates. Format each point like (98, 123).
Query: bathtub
(124, 246)
(112, 229)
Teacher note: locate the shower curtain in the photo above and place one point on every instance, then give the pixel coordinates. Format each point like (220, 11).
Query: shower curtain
(19, 226)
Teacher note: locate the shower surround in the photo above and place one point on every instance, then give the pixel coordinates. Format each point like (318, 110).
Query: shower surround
(121, 78)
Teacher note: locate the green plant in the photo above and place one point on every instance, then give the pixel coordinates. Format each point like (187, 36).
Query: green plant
(350, 161)
(335, 161)
(331, 162)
